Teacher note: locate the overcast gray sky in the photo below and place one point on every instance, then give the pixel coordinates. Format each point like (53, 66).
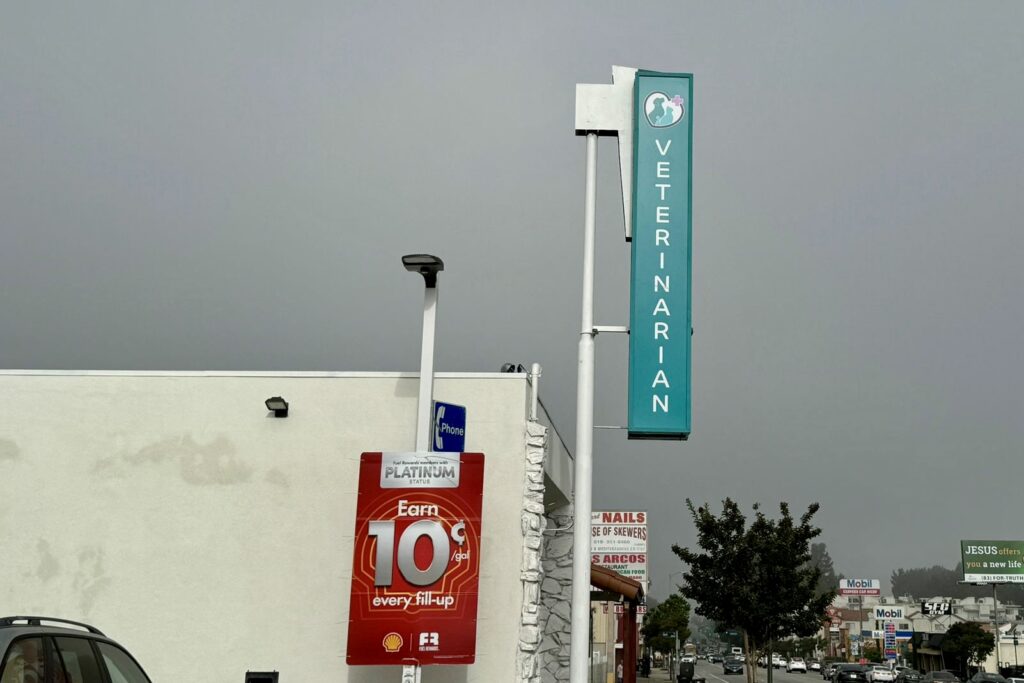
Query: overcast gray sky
(229, 185)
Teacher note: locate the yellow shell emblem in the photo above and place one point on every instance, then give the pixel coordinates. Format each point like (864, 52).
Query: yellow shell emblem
(392, 642)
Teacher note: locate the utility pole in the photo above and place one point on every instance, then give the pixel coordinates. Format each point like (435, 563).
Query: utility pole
(995, 622)
(860, 626)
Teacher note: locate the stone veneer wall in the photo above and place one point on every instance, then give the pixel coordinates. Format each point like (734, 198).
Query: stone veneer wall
(546, 574)
(556, 595)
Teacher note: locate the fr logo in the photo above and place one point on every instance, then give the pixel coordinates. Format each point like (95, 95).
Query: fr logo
(429, 641)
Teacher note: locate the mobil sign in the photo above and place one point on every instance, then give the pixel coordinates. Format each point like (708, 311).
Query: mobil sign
(416, 559)
(888, 613)
(860, 587)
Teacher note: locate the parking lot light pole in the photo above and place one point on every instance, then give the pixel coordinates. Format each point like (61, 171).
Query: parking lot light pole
(428, 266)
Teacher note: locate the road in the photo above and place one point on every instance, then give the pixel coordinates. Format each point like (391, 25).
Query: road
(712, 673)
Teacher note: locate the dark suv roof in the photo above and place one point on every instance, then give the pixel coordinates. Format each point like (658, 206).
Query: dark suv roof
(13, 628)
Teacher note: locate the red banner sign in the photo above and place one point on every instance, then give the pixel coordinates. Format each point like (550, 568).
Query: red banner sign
(416, 564)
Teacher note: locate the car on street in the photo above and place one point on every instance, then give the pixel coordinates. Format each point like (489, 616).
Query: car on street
(881, 674)
(48, 649)
(829, 670)
(732, 665)
(986, 677)
(814, 665)
(714, 659)
(796, 664)
(908, 675)
(850, 673)
(940, 677)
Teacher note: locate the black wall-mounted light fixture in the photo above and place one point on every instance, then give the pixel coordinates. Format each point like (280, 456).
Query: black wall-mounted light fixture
(278, 406)
(260, 677)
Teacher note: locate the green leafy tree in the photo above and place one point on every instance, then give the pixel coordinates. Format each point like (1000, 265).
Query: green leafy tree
(928, 582)
(787, 648)
(758, 578)
(670, 619)
(795, 647)
(872, 653)
(969, 643)
(828, 580)
(805, 647)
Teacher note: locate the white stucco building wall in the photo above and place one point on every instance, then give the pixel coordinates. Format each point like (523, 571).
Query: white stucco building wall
(172, 512)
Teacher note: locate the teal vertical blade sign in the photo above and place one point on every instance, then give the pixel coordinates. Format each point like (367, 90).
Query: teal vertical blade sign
(660, 300)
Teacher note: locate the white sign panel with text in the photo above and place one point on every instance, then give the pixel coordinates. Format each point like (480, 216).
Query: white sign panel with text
(860, 587)
(618, 541)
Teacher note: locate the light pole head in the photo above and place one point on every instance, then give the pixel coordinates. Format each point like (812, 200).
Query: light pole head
(426, 265)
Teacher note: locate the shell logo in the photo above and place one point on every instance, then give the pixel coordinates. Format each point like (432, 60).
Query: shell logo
(392, 642)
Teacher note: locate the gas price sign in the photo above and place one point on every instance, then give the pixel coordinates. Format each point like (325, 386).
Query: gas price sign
(416, 563)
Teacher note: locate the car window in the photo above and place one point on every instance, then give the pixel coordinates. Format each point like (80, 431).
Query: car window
(122, 668)
(32, 660)
(79, 660)
(25, 662)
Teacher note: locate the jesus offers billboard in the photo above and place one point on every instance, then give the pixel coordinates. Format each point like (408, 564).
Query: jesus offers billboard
(993, 561)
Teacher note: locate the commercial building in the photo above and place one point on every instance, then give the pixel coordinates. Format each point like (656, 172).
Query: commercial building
(929, 630)
(176, 513)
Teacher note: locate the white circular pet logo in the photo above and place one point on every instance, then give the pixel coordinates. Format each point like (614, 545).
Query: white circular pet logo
(663, 111)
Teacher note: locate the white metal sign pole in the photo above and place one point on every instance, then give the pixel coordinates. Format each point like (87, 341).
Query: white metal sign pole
(600, 109)
(411, 673)
(579, 653)
(428, 266)
(426, 399)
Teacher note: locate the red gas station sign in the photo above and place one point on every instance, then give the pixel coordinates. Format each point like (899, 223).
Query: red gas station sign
(416, 562)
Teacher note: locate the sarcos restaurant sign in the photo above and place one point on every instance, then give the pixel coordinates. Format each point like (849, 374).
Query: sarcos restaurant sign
(618, 541)
(659, 340)
(416, 559)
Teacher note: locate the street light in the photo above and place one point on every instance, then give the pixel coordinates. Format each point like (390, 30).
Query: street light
(428, 266)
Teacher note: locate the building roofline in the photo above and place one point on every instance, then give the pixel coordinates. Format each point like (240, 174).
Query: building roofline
(315, 374)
